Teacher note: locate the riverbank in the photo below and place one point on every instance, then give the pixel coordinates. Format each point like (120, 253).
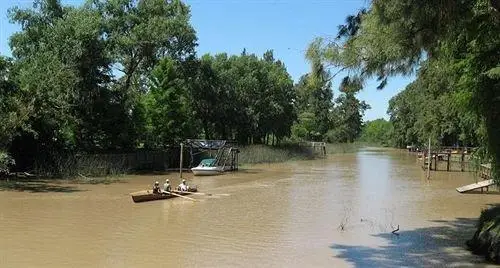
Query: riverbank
(106, 168)
(486, 240)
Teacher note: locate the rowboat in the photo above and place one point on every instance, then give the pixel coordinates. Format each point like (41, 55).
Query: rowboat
(148, 195)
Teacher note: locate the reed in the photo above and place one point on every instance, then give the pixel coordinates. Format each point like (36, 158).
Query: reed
(254, 154)
(342, 148)
(72, 166)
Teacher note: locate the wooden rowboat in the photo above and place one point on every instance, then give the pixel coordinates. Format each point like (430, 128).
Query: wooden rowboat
(148, 195)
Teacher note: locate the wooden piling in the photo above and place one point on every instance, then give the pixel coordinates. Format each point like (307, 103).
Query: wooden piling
(180, 169)
(435, 161)
(462, 159)
(448, 162)
(429, 160)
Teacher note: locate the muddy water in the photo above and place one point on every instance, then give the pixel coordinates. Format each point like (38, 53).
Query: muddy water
(337, 212)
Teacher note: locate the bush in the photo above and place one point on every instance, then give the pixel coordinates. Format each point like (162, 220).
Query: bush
(486, 240)
(6, 161)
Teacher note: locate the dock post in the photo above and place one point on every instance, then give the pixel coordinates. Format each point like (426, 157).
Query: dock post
(448, 164)
(429, 160)
(462, 162)
(435, 161)
(180, 161)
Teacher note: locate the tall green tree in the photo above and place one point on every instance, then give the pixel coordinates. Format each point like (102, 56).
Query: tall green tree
(347, 118)
(170, 119)
(244, 97)
(314, 104)
(433, 107)
(14, 105)
(377, 131)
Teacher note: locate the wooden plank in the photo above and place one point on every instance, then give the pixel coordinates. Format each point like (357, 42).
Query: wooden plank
(474, 186)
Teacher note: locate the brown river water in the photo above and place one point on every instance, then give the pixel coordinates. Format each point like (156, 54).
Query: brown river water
(276, 215)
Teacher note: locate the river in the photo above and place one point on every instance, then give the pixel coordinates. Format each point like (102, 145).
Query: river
(335, 212)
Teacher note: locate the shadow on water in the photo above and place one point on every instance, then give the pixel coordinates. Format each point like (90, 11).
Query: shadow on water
(422, 247)
(483, 193)
(36, 186)
(247, 171)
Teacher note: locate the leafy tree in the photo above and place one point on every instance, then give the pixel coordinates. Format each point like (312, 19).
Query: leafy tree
(167, 105)
(13, 109)
(278, 96)
(314, 104)
(140, 33)
(377, 131)
(432, 107)
(244, 97)
(347, 118)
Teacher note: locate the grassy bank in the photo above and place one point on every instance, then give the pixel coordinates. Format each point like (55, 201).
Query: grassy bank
(486, 240)
(254, 154)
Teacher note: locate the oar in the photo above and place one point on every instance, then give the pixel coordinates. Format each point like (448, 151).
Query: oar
(198, 193)
(192, 193)
(189, 198)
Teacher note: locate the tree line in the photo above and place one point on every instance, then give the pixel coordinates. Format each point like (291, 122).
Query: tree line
(112, 76)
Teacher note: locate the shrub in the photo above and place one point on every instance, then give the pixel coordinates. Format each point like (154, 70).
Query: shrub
(6, 161)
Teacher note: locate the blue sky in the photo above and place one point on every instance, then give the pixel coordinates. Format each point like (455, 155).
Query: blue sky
(285, 26)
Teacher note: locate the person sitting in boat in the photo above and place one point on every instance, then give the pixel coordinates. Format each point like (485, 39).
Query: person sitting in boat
(183, 186)
(167, 187)
(156, 188)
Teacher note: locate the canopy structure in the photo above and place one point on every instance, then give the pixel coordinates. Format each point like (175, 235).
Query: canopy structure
(206, 144)
(225, 155)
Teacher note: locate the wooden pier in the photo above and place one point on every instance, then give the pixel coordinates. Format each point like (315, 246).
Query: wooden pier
(458, 160)
(485, 174)
(452, 157)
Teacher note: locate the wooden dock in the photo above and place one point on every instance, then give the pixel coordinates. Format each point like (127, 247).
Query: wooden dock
(485, 171)
(452, 158)
(479, 185)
